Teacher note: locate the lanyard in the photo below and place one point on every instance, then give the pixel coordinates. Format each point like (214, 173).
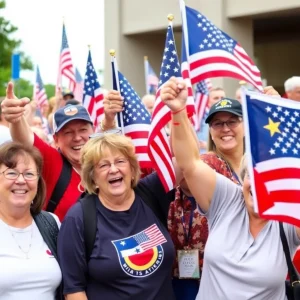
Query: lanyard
(187, 234)
(236, 177)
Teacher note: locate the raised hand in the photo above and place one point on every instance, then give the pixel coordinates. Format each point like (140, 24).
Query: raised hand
(269, 90)
(113, 103)
(174, 94)
(13, 108)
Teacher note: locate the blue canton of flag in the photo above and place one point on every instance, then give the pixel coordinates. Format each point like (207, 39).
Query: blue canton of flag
(273, 139)
(92, 93)
(213, 53)
(136, 120)
(170, 64)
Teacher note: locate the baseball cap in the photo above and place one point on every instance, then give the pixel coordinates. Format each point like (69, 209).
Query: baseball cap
(67, 92)
(225, 105)
(69, 113)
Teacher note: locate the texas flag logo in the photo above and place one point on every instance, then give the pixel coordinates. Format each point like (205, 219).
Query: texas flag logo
(141, 254)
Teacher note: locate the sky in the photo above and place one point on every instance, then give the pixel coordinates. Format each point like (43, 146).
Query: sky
(39, 25)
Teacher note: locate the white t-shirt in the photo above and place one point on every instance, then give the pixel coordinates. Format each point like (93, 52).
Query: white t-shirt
(35, 278)
(4, 134)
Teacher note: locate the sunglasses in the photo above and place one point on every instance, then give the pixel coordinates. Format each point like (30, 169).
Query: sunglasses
(111, 131)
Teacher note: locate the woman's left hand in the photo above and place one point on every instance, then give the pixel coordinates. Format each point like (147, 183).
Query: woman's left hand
(113, 104)
(269, 90)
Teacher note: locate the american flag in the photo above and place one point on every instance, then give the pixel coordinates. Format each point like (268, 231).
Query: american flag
(273, 140)
(201, 101)
(40, 93)
(136, 118)
(150, 78)
(92, 93)
(150, 237)
(78, 93)
(158, 143)
(213, 53)
(65, 63)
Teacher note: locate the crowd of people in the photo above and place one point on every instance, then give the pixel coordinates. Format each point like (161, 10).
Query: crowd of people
(80, 219)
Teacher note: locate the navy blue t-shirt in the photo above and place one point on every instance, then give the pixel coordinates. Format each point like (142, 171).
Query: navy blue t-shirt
(132, 256)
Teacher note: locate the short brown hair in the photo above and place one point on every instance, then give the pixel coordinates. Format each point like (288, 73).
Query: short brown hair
(92, 153)
(9, 153)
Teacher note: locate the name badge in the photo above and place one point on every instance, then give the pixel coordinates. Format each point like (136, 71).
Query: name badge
(188, 264)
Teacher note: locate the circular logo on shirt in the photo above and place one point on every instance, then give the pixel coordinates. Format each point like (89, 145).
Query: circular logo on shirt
(142, 254)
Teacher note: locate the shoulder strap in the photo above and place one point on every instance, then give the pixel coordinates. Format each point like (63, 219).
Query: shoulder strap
(61, 185)
(89, 224)
(49, 230)
(292, 272)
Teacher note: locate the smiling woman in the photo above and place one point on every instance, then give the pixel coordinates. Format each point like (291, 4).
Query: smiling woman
(25, 249)
(132, 253)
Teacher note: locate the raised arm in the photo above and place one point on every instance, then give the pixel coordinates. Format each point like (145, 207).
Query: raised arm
(13, 110)
(200, 178)
(113, 103)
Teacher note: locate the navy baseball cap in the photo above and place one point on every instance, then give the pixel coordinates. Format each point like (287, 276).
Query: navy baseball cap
(67, 92)
(226, 105)
(69, 113)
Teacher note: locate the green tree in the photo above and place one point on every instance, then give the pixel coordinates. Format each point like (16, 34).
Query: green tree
(7, 46)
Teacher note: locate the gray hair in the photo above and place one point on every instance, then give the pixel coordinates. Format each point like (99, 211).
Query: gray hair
(291, 83)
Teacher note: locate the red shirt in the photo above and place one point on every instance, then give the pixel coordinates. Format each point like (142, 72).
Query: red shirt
(52, 168)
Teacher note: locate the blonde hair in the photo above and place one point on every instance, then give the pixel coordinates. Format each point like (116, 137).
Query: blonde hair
(93, 151)
(243, 167)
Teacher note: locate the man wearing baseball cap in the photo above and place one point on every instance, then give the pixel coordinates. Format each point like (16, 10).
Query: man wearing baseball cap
(72, 128)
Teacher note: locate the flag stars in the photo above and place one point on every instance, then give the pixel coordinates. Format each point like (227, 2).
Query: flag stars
(293, 119)
(272, 127)
(279, 108)
(272, 151)
(282, 119)
(275, 114)
(295, 151)
(276, 145)
(296, 114)
(286, 113)
(298, 145)
(284, 151)
(288, 145)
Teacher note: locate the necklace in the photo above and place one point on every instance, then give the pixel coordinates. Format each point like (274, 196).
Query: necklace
(30, 243)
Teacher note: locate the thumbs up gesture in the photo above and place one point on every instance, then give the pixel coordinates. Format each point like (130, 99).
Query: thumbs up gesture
(13, 108)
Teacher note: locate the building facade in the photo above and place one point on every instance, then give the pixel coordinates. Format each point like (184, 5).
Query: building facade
(268, 30)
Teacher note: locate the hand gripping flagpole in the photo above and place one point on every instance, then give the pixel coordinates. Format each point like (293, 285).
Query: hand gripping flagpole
(116, 84)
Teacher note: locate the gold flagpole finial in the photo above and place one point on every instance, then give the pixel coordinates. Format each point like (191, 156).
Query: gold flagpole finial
(242, 82)
(112, 52)
(170, 17)
(145, 57)
(89, 46)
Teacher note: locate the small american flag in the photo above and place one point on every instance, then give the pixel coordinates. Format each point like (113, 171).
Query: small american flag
(136, 118)
(65, 63)
(201, 102)
(92, 93)
(78, 93)
(40, 92)
(273, 140)
(149, 238)
(158, 144)
(151, 78)
(213, 53)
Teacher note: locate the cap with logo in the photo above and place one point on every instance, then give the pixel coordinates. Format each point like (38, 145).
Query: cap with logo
(225, 105)
(69, 113)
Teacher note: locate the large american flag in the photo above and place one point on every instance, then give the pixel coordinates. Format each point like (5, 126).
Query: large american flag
(150, 237)
(213, 53)
(150, 78)
(66, 69)
(201, 101)
(78, 93)
(39, 93)
(273, 144)
(135, 118)
(92, 92)
(158, 144)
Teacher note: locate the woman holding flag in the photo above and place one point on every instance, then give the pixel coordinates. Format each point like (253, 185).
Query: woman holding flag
(242, 250)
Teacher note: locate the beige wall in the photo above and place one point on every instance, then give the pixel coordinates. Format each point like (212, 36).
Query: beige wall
(137, 28)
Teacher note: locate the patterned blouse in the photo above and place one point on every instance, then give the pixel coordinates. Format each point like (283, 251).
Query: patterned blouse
(182, 206)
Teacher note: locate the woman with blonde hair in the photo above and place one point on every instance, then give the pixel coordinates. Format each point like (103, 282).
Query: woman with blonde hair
(132, 252)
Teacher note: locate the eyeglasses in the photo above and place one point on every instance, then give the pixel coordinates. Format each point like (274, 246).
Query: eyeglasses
(12, 174)
(119, 163)
(232, 123)
(110, 131)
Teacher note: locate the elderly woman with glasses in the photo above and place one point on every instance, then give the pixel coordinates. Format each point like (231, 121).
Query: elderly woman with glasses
(133, 253)
(28, 265)
(244, 257)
